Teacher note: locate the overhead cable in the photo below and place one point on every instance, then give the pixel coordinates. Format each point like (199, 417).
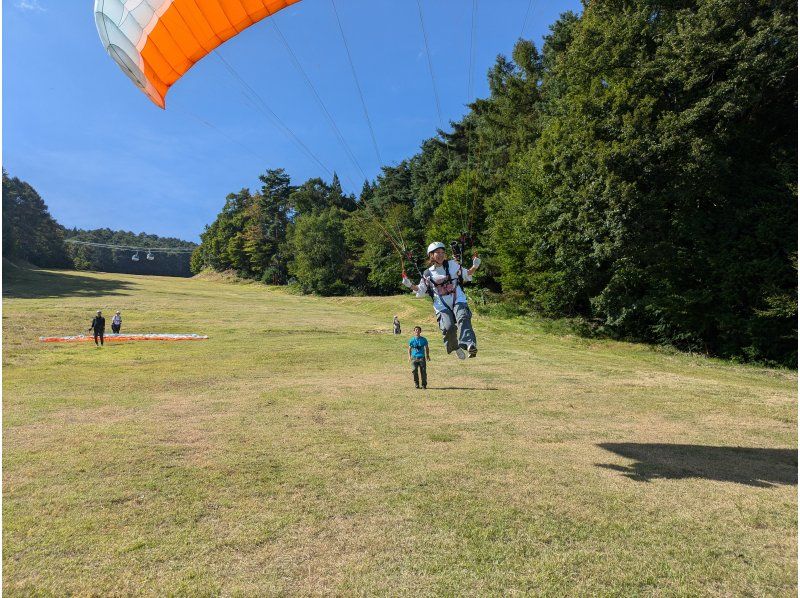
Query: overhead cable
(358, 85)
(264, 108)
(213, 127)
(531, 4)
(317, 97)
(131, 247)
(467, 219)
(430, 65)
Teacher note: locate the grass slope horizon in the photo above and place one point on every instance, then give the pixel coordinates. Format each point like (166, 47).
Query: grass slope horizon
(290, 453)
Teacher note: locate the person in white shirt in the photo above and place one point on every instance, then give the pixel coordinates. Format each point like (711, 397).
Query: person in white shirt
(442, 281)
(116, 323)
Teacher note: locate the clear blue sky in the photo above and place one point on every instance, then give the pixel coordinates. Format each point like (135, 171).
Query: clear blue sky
(101, 155)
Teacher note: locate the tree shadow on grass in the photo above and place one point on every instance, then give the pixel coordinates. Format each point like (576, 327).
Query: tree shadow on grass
(41, 284)
(750, 466)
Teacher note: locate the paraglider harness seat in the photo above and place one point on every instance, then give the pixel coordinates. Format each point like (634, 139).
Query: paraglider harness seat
(429, 284)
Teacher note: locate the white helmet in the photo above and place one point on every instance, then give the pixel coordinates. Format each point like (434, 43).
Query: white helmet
(435, 246)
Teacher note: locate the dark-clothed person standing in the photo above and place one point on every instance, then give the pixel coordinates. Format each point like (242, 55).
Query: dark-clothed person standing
(98, 327)
(396, 325)
(418, 353)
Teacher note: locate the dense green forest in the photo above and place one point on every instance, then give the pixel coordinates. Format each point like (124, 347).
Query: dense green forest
(636, 172)
(30, 233)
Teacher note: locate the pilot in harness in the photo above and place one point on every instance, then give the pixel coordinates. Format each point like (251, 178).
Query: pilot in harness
(443, 282)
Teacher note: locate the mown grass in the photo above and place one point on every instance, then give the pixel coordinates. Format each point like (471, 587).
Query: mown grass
(290, 454)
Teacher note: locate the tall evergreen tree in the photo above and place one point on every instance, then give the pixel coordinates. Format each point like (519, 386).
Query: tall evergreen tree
(29, 231)
(317, 244)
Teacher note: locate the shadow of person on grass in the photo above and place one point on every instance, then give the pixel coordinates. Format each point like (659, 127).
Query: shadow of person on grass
(41, 284)
(751, 466)
(462, 388)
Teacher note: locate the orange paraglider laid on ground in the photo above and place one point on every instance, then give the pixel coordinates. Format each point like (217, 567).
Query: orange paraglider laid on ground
(124, 337)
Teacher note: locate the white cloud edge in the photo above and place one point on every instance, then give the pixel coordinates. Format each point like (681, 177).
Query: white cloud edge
(30, 6)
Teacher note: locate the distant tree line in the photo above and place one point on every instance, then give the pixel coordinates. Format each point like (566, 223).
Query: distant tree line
(115, 260)
(30, 233)
(638, 171)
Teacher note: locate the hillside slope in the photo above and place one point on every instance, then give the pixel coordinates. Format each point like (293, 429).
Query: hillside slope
(290, 453)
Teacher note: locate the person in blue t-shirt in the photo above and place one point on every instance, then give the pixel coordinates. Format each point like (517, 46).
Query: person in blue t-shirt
(418, 353)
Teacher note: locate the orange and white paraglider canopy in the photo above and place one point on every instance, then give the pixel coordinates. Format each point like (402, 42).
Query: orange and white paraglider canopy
(156, 41)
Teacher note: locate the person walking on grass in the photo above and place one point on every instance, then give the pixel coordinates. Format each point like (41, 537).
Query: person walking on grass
(116, 323)
(443, 281)
(418, 353)
(98, 327)
(396, 325)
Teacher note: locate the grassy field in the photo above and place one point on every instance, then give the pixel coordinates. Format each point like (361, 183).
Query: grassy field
(290, 454)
